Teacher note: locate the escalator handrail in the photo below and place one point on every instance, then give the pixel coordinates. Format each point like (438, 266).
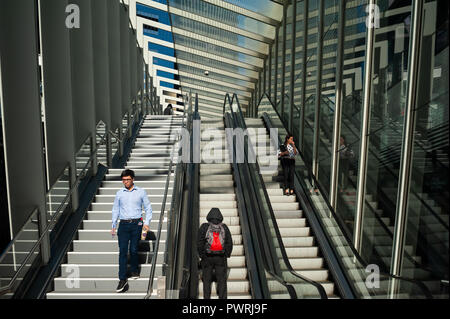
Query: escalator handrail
(191, 257)
(420, 284)
(174, 217)
(174, 225)
(257, 175)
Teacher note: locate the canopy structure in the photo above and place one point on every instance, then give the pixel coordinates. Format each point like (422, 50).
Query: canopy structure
(221, 47)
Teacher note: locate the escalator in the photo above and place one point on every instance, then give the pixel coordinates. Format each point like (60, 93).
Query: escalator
(258, 267)
(279, 275)
(217, 189)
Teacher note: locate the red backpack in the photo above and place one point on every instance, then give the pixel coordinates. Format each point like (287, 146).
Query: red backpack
(215, 239)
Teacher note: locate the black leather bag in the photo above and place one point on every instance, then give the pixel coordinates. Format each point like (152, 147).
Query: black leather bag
(146, 247)
(283, 148)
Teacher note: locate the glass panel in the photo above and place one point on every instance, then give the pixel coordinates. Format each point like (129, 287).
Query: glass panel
(56, 196)
(287, 73)
(354, 267)
(217, 50)
(279, 64)
(267, 79)
(352, 106)
(200, 60)
(326, 103)
(272, 73)
(386, 125)
(427, 232)
(298, 69)
(267, 8)
(223, 15)
(215, 86)
(217, 33)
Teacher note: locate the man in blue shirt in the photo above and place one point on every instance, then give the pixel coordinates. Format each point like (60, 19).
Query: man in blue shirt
(128, 209)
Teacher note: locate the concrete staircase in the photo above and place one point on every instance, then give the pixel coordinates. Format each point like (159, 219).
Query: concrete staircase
(93, 258)
(217, 190)
(301, 249)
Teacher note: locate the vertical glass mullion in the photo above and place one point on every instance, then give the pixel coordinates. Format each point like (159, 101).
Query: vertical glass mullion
(427, 224)
(292, 68)
(318, 92)
(304, 73)
(283, 60)
(297, 86)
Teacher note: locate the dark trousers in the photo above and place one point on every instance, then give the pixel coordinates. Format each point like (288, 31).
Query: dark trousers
(343, 174)
(128, 236)
(219, 264)
(288, 171)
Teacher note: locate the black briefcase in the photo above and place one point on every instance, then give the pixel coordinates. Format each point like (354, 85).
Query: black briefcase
(146, 247)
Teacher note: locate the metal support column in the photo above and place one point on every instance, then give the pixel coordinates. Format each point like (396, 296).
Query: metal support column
(130, 114)
(109, 154)
(315, 160)
(292, 73)
(94, 162)
(365, 130)
(159, 105)
(408, 139)
(265, 78)
(143, 110)
(283, 60)
(147, 96)
(269, 89)
(304, 73)
(121, 140)
(274, 93)
(338, 106)
(72, 179)
(151, 97)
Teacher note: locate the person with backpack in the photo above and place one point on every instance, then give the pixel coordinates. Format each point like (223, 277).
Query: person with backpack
(214, 247)
(168, 110)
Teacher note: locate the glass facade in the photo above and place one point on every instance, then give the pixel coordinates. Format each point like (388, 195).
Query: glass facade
(229, 45)
(424, 254)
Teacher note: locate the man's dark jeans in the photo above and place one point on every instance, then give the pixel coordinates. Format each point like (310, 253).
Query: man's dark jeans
(219, 263)
(128, 235)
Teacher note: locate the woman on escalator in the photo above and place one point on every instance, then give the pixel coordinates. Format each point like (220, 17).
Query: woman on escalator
(287, 154)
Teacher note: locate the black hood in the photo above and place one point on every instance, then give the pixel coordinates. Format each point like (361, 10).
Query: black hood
(214, 216)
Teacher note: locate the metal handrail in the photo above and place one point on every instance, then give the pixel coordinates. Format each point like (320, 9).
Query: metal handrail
(6, 288)
(339, 222)
(179, 187)
(161, 220)
(318, 286)
(73, 187)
